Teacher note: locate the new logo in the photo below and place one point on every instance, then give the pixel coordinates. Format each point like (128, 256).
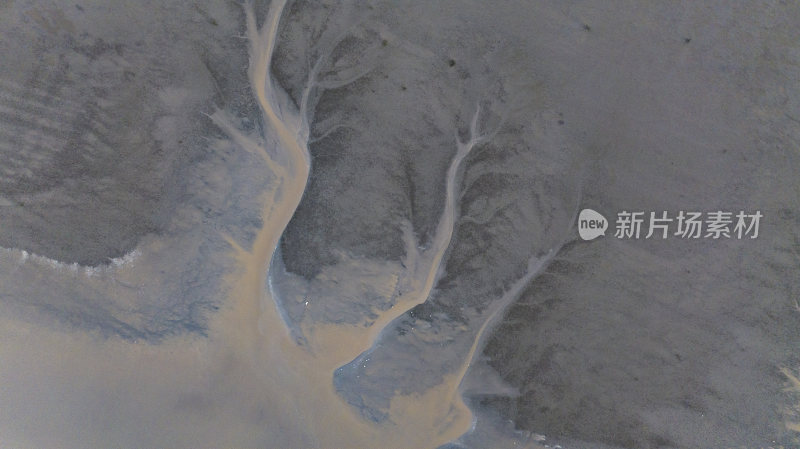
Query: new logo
(591, 224)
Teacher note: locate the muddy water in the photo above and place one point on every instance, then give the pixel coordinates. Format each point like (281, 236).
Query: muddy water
(301, 376)
(249, 384)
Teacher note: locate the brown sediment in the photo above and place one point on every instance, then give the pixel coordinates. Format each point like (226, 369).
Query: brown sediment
(253, 331)
(250, 383)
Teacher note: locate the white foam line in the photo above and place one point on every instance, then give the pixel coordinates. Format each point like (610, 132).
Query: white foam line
(76, 268)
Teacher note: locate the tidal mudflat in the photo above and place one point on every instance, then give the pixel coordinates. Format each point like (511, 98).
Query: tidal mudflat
(354, 224)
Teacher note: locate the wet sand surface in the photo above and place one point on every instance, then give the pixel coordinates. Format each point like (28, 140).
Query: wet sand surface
(251, 360)
(294, 224)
